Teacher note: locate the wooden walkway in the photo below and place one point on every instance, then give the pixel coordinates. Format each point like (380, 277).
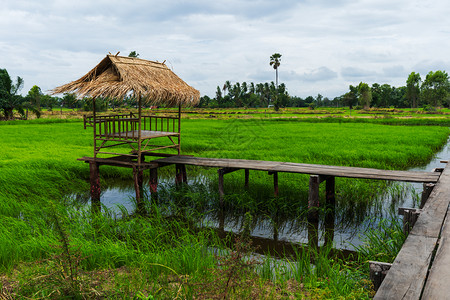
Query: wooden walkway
(422, 268)
(274, 166)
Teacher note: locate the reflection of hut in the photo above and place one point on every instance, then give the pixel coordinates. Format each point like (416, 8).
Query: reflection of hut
(147, 81)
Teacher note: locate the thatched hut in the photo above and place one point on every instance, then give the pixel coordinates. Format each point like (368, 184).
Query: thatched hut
(147, 81)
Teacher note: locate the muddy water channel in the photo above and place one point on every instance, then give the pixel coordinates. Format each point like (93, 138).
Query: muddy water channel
(345, 229)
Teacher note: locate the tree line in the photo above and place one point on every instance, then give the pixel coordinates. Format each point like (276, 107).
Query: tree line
(430, 93)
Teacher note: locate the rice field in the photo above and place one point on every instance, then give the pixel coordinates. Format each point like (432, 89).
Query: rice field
(45, 235)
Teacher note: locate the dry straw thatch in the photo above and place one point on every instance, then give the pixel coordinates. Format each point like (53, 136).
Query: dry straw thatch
(119, 77)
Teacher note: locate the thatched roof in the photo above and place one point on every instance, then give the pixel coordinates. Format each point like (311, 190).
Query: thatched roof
(119, 77)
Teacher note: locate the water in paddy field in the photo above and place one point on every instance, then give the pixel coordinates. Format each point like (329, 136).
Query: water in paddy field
(346, 231)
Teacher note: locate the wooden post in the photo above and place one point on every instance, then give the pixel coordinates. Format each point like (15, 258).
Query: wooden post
(94, 117)
(410, 216)
(330, 210)
(95, 186)
(179, 129)
(138, 186)
(247, 176)
(154, 183)
(220, 172)
(180, 174)
(427, 189)
(275, 183)
(139, 132)
(183, 173)
(378, 271)
(313, 198)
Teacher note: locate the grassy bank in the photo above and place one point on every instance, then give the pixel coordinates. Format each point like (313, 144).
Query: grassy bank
(41, 232)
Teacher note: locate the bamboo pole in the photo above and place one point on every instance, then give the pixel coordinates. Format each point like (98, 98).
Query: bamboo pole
(139, 131)
(179, 129)
(94, 117)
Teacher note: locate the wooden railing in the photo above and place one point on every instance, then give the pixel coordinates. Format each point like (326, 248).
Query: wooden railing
(126, 126)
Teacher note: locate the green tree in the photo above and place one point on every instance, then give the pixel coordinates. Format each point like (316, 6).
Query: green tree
(351, 98)
(365, 95)
(385, 95)
(435, 88)
(413, 89)
(275, 61)
(9, 99)
(35, 96)
(133, 54)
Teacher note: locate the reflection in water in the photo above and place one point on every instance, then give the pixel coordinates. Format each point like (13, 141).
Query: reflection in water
(341, 226)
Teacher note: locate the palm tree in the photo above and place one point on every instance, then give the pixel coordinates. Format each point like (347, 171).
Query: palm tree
(275, 61)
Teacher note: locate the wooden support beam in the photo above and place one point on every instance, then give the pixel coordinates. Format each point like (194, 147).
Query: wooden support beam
(247, 177)
(275, 182)
(154, 183)
(410, 216)
(138, 179)
(228, 170)
(313, 198)
(427, 189)
(95, 187)
(180, 174)
(378, 271)
(220, 172)
(330, 212)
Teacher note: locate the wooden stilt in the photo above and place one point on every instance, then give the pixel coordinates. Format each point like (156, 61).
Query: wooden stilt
(138, 179)
(95, 187)
(275, 184)
(183, 173)
(313, 198)
(410, 216)
(378, 271)
(220, 172)
(153, 181)
(330, 211)
(178, 174)
(247, 176)
(427, 189)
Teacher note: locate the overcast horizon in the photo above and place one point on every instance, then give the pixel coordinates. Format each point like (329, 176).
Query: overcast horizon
(325, 45)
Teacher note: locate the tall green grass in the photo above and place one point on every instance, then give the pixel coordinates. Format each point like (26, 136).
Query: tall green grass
(38, 167)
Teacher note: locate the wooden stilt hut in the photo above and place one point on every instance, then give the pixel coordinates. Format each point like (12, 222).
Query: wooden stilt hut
(149, 82)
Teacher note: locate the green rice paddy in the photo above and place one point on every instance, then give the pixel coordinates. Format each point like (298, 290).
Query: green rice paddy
(44, 235)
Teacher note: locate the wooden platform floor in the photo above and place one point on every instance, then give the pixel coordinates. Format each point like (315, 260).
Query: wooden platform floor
(275, 166)
(133, 134)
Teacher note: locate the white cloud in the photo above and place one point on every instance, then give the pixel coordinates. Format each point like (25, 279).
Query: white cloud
(326, 45)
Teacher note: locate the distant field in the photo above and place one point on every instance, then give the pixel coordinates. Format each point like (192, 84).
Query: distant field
(38, 166)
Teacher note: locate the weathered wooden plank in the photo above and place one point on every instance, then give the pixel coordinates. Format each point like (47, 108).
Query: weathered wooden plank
(120, 162)
(437, 285)
(407, 275)
(311, 169)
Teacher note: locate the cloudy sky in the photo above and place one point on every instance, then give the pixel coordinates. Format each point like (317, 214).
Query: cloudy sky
(326, 45)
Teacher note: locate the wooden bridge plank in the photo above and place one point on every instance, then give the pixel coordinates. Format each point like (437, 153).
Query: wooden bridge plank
(437, 285)
(408, 275)
(339, 171)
